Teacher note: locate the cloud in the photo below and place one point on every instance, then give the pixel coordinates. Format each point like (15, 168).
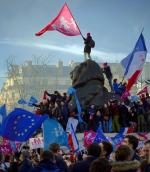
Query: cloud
(71, 49)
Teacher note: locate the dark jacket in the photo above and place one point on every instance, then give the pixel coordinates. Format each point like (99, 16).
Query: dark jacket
(145, 166)
(136, 157)
(61, 164)
(45, 165)
(25, 166)
(107, 72)
(87, 47)
(125, 166)
(83, 166)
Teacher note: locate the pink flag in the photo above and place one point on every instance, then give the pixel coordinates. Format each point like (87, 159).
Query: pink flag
(64, 23)
(89, 137)
(5, 147)
(142, 91)
(125, 95)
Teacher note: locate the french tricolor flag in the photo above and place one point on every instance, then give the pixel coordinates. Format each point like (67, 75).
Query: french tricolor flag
(134, 62)
(126, 130)
(72, 140)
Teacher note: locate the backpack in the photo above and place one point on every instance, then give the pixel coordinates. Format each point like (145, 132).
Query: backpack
(92, 43)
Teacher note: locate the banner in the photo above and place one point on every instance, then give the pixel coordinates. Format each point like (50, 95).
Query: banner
(35, 143)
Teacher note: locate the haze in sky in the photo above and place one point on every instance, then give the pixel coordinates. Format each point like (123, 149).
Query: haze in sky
(115, 26)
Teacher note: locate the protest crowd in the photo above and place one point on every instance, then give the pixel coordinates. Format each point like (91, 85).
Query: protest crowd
(112, 116)
(123, 152)
(95, 157)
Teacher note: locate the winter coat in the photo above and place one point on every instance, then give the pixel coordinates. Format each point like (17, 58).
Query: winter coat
(107, 72)
(145, 166)
(45, 165)
(61, 164)
(25, 166)
(83, 166)
(87, 47)
(125, 166)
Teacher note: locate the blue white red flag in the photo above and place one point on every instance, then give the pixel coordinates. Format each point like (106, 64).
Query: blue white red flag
(126, 130)
(72, 140)
(134, 62)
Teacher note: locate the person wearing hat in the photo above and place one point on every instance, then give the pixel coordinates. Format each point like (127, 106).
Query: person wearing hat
(89, 43)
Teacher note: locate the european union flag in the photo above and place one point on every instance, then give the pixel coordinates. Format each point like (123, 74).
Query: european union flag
(20, 124)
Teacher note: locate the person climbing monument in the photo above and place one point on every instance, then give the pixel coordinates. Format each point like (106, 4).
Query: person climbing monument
(89, 43)
(108, 73)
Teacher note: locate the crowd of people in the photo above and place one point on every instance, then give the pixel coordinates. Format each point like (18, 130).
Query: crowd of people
(94, 158)
(112, 116)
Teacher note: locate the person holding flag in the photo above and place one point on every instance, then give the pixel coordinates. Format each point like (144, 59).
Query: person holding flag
(65, 23)
(89, 43)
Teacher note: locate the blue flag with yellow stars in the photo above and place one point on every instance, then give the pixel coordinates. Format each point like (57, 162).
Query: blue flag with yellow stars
(20, 124)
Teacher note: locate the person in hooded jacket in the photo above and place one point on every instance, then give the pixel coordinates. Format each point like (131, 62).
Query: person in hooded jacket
(87, 47)
(47, 163)
(123, 160)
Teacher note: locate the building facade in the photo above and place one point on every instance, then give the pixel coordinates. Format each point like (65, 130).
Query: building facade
(31, 79)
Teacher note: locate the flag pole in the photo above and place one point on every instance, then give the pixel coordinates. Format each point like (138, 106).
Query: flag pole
(75, 21)
(142, 30)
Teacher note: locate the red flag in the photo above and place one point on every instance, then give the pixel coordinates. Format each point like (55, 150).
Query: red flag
(70, 142)
(64, 23)
(144, 90)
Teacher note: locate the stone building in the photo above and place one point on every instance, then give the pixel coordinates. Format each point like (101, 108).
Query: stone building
(31, 79)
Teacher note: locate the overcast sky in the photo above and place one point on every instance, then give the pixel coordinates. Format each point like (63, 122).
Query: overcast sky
(114, 24)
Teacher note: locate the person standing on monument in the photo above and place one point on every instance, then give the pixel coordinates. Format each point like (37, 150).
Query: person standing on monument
(89, 43)
(108, 73)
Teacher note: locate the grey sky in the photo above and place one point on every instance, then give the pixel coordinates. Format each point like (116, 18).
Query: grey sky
(114, 24)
